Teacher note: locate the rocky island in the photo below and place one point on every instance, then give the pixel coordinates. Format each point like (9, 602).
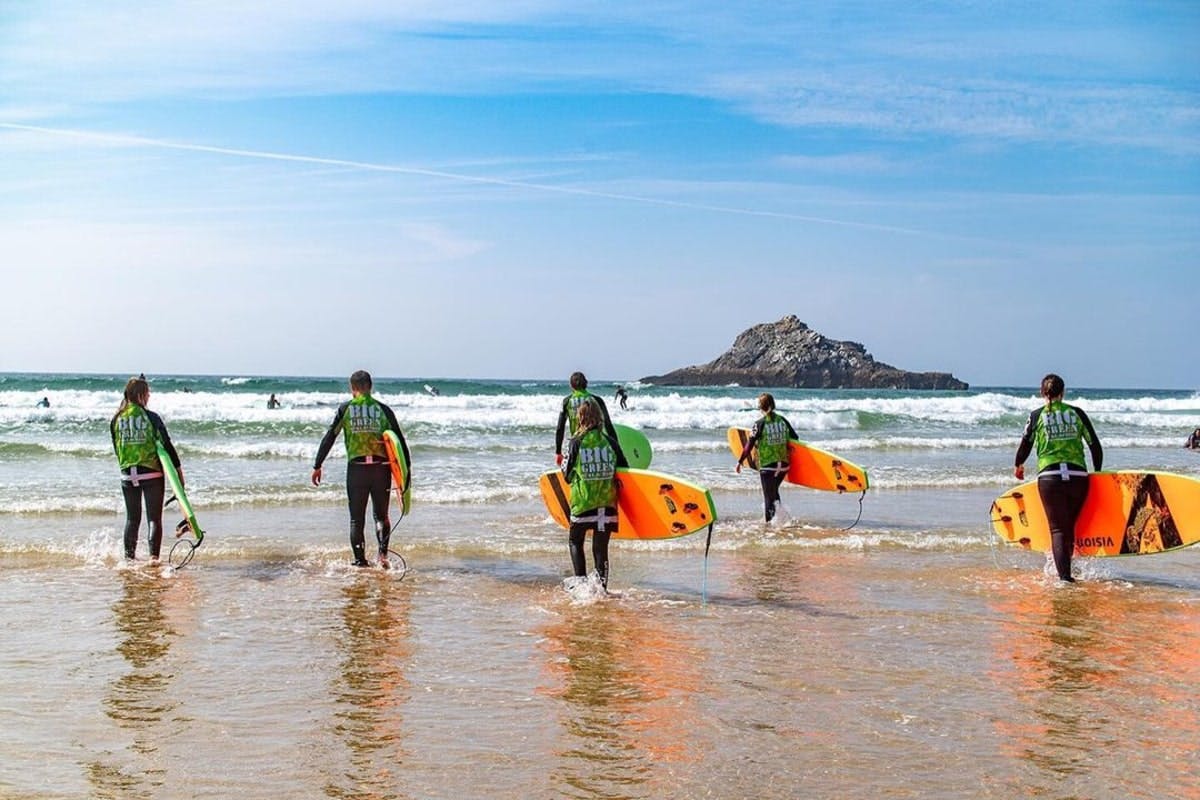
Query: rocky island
(788, 353)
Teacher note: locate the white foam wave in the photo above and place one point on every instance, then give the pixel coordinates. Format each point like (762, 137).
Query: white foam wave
(672, 411)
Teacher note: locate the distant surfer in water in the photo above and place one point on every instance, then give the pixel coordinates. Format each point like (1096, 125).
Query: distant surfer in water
(362, 421)
(568, 417)
(771, 433)
(135, 429)
(44, 402)
(273, 402)
(1059, 431)
(1193, 441)
(622, 396)
(592, 459)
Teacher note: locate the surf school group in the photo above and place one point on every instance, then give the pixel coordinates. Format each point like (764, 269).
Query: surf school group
(602, 485)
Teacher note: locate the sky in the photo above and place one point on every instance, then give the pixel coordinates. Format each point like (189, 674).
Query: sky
(525, 188)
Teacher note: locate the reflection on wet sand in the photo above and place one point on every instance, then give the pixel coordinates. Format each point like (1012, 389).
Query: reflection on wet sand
(371, 688)
(1097, 670)
(628, 700)
(149, 615)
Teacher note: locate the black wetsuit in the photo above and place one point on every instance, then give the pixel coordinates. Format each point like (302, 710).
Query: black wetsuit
(602, 522)
(368, 478)
(150, 492)
(1062, 488)
(770, 476)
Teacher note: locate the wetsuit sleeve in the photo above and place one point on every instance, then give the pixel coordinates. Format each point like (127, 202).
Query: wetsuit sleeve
(622, 462)
(572, 457)
(755, 433)
(160, 431)
(562, 427)
(611, 432)
(1026, 445)
(330, 437)
(395, 426)
(112, 432)
(1093, 441)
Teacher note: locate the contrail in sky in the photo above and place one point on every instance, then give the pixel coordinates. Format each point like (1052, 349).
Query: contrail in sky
(451, 176)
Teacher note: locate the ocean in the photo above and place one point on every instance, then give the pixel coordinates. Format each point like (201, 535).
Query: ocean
(883, 645)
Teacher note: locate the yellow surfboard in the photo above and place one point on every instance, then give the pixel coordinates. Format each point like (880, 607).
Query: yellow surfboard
(650, 505)
(399, 466)
(1126, 514)
(807, 465)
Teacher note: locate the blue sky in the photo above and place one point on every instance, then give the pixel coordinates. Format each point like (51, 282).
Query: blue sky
(525, 188)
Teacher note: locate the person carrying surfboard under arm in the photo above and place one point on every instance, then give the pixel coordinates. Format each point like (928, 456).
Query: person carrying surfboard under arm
(362, 421)
(593, 456)
(771, 433)
(1059, 431)
(135, 429)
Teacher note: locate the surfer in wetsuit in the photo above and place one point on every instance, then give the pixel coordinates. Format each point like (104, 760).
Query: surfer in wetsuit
(134, 430)
(362, 421)
(44, 402)
(771, 433)
(592, 460)
(1059, 431)
(622, 396)
(568, 417)
(1193, 441)
(273, 402)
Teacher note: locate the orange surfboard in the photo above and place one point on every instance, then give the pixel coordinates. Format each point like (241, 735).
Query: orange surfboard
(807, 465)
(1126, 514)
(650, 505)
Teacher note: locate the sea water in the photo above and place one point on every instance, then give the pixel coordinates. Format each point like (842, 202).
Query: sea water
(886, 647)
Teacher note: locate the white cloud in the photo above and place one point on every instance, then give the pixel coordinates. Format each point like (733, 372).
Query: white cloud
(940, 70)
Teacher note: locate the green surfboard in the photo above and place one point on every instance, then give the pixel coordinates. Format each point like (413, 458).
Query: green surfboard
(635, 446)
(180, 495)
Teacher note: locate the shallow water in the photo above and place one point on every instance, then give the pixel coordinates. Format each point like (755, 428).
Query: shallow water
(794, 666)
(910, 656)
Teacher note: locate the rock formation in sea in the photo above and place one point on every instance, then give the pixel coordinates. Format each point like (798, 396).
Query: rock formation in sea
(788, 353)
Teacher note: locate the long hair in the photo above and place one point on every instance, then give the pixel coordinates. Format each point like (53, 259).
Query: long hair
(136, 392)
(766, 402)
(589, 417)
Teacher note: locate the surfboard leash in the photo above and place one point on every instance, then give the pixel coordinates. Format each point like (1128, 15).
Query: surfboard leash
(860, 510)
(704, 579)
(387, 550)
(403, 570)
(184, 527)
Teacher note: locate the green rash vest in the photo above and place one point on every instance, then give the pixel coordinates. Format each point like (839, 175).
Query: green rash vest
(773, 443)
(1059, 435)
(592, 484)
(134, 436)
(578, 398)
(363, 425)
